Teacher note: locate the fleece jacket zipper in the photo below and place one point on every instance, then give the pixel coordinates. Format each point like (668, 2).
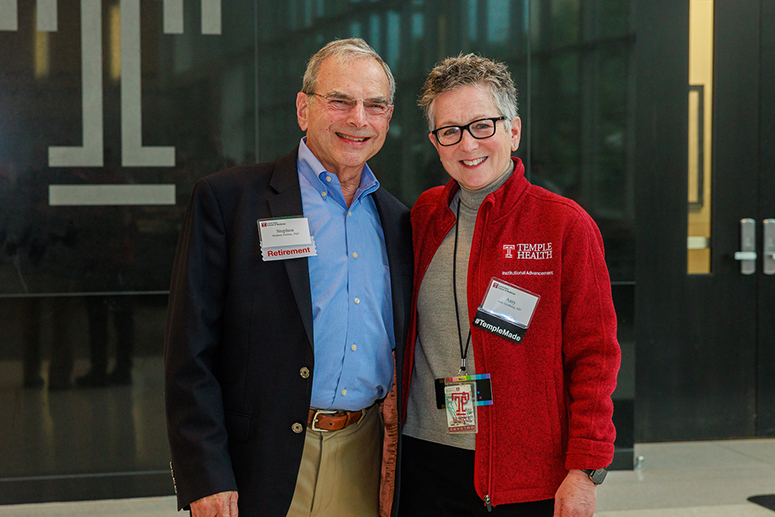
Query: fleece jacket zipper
(485, 213)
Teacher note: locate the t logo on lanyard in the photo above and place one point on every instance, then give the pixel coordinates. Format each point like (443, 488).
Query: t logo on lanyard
(461, 396)
(461, 411)
(460, 400)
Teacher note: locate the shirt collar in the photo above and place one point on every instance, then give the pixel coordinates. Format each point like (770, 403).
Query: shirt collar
(311, 169)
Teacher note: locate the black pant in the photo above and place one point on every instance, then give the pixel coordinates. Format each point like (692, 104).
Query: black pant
(438, 481)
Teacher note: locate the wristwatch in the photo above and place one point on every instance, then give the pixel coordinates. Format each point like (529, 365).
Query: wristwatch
(596, 475)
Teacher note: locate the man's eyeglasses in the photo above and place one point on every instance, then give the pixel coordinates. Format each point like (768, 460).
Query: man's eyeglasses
(479, 129)
(373, 107)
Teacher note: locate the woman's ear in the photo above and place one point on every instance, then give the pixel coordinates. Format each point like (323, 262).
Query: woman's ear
(433, 141)
(516, 133)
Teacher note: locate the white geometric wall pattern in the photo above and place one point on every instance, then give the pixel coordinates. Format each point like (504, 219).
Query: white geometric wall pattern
(91, 152)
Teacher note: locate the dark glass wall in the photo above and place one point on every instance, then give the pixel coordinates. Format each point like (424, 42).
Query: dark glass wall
(110, 111)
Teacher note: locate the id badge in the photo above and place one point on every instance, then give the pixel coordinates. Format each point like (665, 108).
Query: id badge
(459, 398)
(482, 384)
(285, 238)
(506, 310)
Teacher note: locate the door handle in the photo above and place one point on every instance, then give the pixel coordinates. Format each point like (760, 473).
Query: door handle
(747, 254)
(769, 246)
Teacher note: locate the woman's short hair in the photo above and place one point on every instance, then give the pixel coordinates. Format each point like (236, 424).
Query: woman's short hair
(470, 70)
(345, 50)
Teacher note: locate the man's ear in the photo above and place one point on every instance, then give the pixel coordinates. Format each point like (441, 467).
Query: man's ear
(302, 106)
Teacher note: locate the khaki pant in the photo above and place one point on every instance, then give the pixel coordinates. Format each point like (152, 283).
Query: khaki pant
(340, 471)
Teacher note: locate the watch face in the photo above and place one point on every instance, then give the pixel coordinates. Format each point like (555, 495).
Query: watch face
(597, 476)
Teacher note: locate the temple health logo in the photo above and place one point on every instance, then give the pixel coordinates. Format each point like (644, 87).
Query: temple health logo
(527, 251)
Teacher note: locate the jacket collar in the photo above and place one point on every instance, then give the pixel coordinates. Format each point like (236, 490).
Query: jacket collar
(504, 197)
(284, 175)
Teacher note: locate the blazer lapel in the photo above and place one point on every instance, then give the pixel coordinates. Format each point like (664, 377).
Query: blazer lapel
(287, 202)
(399, 259)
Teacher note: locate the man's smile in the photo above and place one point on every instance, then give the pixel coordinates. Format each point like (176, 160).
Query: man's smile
(352, 138)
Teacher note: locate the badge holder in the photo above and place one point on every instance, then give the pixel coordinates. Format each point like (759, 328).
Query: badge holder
(460, 397)
(459, 400)
(506, 310)
(285, 238)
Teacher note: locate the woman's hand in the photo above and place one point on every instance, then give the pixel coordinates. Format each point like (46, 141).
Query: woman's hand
(576, 497)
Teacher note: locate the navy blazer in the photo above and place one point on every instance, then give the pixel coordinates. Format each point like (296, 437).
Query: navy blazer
(239, 332)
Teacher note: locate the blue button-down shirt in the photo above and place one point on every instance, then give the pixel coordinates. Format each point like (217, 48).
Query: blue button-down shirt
(351, 299)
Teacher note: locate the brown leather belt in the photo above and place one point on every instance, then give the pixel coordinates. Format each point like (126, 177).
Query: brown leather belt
(331, 419)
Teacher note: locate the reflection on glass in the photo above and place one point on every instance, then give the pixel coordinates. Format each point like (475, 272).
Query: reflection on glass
(114, 15)
(700, 135)
(498, 17)
(42, 55)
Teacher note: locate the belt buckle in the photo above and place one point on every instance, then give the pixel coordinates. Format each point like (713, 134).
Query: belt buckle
(314, 426)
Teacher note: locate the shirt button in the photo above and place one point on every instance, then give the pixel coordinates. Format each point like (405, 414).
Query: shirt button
(328, 179)
(353, 348)
(349, 214)
(355, 255)
(304, 372)
(323, 194)
(297, 428)
(357, 300)
(344, 392)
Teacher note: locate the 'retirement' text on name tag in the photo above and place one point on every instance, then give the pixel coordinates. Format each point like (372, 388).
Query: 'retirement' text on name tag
(285, 238)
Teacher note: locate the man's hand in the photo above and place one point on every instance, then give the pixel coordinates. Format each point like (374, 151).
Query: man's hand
(223, 504)
(576, 497)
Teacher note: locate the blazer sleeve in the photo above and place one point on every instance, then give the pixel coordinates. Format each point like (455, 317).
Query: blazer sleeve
(194, 405)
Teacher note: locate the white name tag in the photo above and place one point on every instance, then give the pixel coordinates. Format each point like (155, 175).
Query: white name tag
(510, 302)
(285, 238)
(506, 310)
(275, 233)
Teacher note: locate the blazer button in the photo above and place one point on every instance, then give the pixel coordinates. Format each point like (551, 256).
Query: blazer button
(297, 428)
(304, 372)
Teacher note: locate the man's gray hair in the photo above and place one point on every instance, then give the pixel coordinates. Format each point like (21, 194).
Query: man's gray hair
(345, 50)
(470, 70)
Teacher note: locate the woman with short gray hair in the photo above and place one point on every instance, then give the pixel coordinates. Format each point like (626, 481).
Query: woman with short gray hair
(512, 354)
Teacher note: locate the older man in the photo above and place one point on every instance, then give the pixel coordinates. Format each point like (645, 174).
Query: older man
(289, 297)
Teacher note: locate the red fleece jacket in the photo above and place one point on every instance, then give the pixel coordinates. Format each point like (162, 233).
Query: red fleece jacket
(552, 392)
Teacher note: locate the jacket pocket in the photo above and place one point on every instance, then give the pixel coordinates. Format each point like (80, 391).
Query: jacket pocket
(237, 426)
(554, 422)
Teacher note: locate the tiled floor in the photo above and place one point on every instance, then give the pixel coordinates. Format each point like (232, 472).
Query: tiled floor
(691, 479)
(712, 479)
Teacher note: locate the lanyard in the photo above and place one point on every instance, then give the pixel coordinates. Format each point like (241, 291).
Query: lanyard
(463, 353)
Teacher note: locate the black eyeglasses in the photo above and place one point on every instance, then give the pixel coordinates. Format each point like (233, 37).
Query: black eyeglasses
(373, 107)
(479, 129)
